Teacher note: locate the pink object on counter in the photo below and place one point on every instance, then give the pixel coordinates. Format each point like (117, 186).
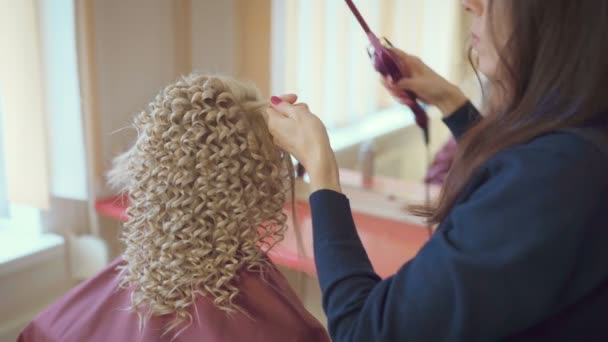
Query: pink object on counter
(96, 311)
(439, 168)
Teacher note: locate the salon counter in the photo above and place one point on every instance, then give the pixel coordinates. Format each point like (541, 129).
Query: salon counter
(390, 236)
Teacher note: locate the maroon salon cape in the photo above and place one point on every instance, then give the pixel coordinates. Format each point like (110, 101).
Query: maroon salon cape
(95, 311)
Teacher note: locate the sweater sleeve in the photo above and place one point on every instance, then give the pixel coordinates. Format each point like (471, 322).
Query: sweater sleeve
(462, 119)
(496, 264)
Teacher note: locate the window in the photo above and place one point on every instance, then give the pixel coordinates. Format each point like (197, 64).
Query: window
(24, 133)
(3, 187)
(24, 128)
(13, 216)
(23, 157)
(319, 51)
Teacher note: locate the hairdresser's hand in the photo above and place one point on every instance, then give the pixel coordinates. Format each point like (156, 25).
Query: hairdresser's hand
(430, 87)
(299, 132)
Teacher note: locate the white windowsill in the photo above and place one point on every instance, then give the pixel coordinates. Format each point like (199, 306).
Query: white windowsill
(377, 124)
(20, 249)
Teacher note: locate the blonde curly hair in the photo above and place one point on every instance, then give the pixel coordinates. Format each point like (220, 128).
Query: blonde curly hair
(206, 187)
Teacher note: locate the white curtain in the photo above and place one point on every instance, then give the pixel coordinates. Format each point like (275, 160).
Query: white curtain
(24, 131)
(4, 207)
(319, 50)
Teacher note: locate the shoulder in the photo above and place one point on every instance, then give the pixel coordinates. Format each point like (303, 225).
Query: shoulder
(551, 172)
(574, 144)
(555, 157)
(539, 189)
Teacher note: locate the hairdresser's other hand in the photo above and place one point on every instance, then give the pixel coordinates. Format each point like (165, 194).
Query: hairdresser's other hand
(428, 85)
(298, 131)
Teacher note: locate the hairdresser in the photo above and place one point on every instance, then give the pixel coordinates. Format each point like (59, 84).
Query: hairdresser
(521, 248)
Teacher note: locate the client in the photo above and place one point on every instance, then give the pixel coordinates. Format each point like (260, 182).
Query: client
(206, 188)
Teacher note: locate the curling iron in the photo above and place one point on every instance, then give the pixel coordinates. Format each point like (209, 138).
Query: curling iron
(386, 64)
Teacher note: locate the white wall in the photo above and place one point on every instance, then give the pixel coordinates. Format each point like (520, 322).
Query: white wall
(214, 36)
(135, 44)
(134, 55)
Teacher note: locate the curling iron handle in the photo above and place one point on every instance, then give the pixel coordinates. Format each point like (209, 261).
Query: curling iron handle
(422, 119)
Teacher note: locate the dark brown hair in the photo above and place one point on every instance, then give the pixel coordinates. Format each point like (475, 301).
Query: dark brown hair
(554, 74)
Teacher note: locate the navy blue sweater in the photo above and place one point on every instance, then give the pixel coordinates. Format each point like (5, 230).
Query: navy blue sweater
(522, 256)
